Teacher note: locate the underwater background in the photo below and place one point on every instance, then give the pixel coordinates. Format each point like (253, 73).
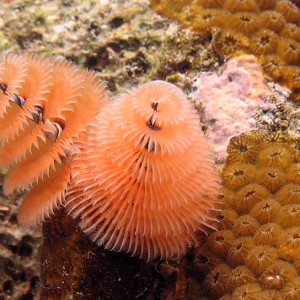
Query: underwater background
(238, 62)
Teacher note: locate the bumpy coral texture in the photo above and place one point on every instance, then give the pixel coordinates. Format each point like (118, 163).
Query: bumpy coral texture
(255, 254)
(268, 29)
(44, 105)
(144, 181)
(241, 85)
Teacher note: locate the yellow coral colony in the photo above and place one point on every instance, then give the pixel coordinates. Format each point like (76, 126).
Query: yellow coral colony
(267, 28)
(256, 253)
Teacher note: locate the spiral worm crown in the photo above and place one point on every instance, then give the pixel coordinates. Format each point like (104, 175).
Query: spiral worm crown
(144, 181)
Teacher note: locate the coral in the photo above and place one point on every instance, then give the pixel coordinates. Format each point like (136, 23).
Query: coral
(209, 19)
(204, 262)
(289, 194)
(266, 4)
(248, 23)
(45, 104)
(241, 85)
(250, 26)
(216, 280)
(289, 243)
(250, 291)
(278, 274)
(238, 175)
(143, 180)
(242, 149)
(266, 211)
(289, 50)
(239, 250)
(292, 289)
(227, 218)
(260, 257)
(268, 234)
(211, 3)
(291, 31)
(275, 156)
(239, 276)
(294, 173)
(262, 221)
(218, 241)
(263, 42)
(250, 195)
(289, 215)
(272, 20)
(272, 66)
(240, 6)
(228, 43)
(245, 226)
(272, 178)
(289, 10)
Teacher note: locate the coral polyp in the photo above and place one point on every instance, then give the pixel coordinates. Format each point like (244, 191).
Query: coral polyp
(236, 6)
(248, 23)
(211, 3)
(250, 291)
(289, 194)
(228, 43)
(262, 218)
(238, 175)
(263, 42)
(266, 211)
(239, 276)
(273, 20)
(275, 156)
(215, 281)
(289, 10)
(291, 31)
(248, 196)
(209, 19)
(260, 257)
(266, 4)
(242, 149)
(245, 26)
(245, 226)
(272, 65)
(271, 178)
(289, 50)
(278, 274)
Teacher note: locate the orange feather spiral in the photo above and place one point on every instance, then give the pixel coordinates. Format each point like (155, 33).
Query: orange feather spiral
(143, 181)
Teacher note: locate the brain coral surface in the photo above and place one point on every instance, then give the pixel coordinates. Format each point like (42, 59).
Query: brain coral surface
(267, 28)
(255, 255)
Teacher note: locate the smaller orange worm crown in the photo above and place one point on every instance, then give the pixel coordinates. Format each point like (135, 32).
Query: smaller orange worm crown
(144, 180)
(44, 105)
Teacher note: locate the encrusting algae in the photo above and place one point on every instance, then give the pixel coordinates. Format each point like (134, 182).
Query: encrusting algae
(268, 29)
(256, 252)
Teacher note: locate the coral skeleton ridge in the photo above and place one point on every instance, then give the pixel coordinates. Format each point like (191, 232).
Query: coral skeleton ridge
(137, 170)
(268, 29)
